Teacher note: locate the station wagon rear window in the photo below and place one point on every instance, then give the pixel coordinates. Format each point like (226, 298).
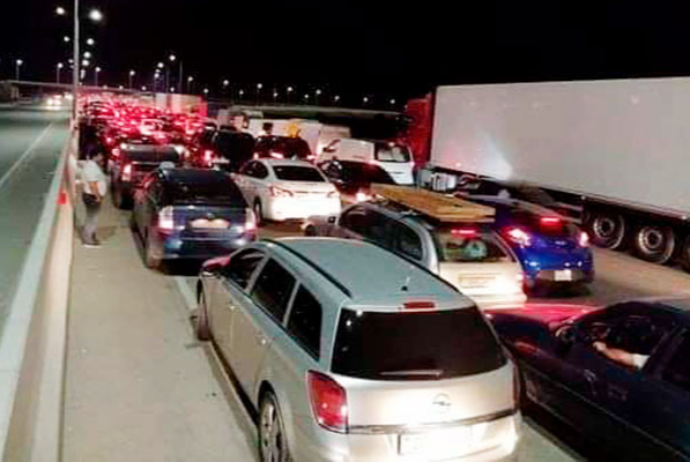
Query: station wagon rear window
(415, 346)
(469, 246)
(392, 153)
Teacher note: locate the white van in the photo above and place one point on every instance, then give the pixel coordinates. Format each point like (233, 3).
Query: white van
(394, 158)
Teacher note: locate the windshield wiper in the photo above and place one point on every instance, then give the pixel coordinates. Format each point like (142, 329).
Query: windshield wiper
(415, 372)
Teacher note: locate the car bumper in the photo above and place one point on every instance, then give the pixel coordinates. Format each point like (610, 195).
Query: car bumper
(177, 248)
(385, 448)
(281, 209)
(496, 301)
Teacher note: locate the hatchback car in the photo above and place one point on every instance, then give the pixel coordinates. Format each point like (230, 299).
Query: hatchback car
(191, 214)
(282, 190)
(472, 258)
(354, 179)
(620, 375)
(131, 164)
(349, 352)
(553, 251)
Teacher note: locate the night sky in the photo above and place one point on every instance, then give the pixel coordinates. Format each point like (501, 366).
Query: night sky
(380, 48)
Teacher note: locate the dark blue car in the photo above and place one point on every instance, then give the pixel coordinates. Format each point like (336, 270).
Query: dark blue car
(552, 251)
(191, 214)
(620, 375)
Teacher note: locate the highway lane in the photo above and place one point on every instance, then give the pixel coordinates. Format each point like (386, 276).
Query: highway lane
(31, 140)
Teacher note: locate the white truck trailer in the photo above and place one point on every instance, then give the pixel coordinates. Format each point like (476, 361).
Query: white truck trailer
(620, 149)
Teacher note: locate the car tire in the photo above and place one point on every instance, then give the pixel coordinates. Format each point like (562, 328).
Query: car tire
(655, 244)
(607, 230)
(202, 329)
(259, 213)
(685, 254)
(310, 231)
(152, 262)
(273, 446)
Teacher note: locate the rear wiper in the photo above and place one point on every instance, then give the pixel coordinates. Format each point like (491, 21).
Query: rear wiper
(415, 372)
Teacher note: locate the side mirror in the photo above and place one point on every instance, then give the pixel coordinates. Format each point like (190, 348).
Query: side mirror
(211, 267)
(565, 336)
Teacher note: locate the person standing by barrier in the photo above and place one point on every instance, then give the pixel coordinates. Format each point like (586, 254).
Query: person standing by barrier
(95, 188)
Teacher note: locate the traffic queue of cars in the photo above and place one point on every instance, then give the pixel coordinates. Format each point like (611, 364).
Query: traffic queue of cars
(364, 340)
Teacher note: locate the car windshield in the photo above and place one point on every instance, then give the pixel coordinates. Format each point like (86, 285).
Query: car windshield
(414, 346)
(390, 152)
(206, 191)
(292, 173)
(468, 245)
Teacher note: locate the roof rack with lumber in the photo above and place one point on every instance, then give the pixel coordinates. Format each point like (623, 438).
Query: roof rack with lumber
(435, 205)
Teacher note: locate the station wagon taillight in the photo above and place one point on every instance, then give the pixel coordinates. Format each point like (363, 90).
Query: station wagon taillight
(127, 173)
(550, 221)
(276, 191)
(464, 232)
(328, 402)
(166, 220)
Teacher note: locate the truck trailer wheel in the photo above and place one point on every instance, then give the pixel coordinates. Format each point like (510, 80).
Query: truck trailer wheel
(607, 230)
(654, 244)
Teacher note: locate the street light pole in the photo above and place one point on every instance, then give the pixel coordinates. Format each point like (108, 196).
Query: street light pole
(75, 69)
(58, 68)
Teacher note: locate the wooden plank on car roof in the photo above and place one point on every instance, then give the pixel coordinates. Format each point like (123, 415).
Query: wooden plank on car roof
(436, 205)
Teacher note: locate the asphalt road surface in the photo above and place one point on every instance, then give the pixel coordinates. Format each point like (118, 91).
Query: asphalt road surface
(31, 140)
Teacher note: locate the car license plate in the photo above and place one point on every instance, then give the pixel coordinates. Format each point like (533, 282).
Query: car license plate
(221, 160)
(563, 275)
(474, 282)
(203, 223)
(440, 444)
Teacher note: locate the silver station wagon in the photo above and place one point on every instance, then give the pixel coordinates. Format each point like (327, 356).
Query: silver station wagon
(350, 353)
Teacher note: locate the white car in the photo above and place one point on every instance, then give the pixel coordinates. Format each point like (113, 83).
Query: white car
(282, 190)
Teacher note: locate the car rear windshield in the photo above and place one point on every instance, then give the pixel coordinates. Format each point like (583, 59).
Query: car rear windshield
(214, 191)
(467, 245)
(290, 173)
(415, 346)
(362, 172)
(386, 152)
(534, 222)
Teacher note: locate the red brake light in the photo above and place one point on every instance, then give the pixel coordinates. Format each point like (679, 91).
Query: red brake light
(519, 236)
(419, 305)
(127, 173)
(550, 221)
(466, 232)
(328, 402)
(583, 239)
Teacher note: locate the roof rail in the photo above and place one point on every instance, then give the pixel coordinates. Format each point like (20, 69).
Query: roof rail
(313, 265)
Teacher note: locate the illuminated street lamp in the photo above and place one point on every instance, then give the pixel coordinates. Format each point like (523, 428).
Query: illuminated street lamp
(58, 68)
(206, 91)
(85, 63)
(289, 92)
(259, 86)
(318, 93)
(365, 100)
(66, 39)
(95, 75)
(144, 88)
(87, 54)
(131, 75)
(275, 96)
(160, 65)
(60, 11)
(180, 77)
(17, 66)
(90, 42)
(241, 93)
(392, 102)
(190, 82)
(95, 15)
(336, 99)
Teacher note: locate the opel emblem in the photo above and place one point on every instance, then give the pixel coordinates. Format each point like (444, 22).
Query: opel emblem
(442, 403)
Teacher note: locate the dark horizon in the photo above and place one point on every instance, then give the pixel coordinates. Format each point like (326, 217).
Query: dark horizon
(355, 48)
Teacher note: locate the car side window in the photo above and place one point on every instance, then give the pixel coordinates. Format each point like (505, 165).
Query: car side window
(406, 241)
(304, 322)
(260, 171)
(273, 289)
(677, 371)
(354, 220)
(248, 169)
(242, 267)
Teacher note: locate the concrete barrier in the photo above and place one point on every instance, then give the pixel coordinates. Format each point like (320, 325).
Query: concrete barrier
(32, 346)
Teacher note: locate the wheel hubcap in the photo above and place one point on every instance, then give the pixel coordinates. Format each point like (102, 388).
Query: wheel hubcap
(271, 435)
(604, 227)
